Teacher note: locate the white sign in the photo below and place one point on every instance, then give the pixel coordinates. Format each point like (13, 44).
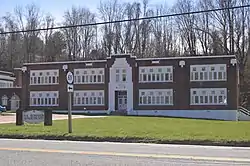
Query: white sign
(120, 86)
(33, 116)
(70, 88)
(70, 77)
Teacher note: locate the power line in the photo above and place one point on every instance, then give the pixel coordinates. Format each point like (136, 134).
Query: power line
(127, 20)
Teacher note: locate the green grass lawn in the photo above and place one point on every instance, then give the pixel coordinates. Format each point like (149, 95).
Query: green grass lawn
(144, 128)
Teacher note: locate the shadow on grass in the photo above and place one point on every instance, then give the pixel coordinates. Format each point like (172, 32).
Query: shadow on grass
(86, 114)
(152, 116)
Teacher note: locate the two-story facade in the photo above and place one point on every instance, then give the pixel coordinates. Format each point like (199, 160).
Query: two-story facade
(196, 87)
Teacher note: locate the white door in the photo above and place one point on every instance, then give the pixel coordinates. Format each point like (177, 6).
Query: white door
(122, 102)
(14, 103)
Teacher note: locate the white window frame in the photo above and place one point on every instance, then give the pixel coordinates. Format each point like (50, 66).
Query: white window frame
(44, 98)
(44, 77)
(208, 96)
(154, 97)
(208, 72)
(151, 74)
(89, 98)
(6, 84)
(89, 76)
(121, 75)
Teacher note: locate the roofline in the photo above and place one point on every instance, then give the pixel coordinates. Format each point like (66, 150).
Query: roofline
(139, 59)
(7, 78)
(6, 72)
(188, 57)
(18, 68)
(63, 62)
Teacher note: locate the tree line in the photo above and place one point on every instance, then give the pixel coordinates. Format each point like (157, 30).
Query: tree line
(212, 33)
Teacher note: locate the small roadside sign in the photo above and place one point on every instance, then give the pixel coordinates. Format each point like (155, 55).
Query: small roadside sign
(70, 88)
(70, 77)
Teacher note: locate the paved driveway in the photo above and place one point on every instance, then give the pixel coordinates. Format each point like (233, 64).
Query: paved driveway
(11, 117)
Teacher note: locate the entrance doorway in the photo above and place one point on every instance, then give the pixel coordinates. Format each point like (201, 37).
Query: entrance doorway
(121, 101)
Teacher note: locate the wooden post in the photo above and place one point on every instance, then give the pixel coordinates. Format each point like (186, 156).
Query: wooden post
(48, 117)
(19, 117)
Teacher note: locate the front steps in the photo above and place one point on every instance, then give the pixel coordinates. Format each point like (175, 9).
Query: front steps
(118, 113)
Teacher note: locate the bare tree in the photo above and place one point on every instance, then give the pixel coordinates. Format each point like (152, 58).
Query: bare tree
(110, 11)
(30, 19)
(186, 24)
(80, 40)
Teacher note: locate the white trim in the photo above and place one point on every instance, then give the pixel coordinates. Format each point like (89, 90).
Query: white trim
(7, 77)
(155, 62)
(65, 67)
(187, 57)
(155, 97)
(64, 62)
(233, 61)
(208, 96)
(89, 64)
(6, 84)
(44, 77)
(139, 59)
(121, 54)
(150, 74)
(182, 63)
(121, 64)
(18, 68)
(24, 69)
(41, 97)
(89, 76)
(208, 72)
(88, 98)
(6, 72)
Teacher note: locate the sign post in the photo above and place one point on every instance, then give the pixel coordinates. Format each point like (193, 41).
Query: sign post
(70, 89)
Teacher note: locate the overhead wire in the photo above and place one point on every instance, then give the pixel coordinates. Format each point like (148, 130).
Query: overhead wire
(126, 20)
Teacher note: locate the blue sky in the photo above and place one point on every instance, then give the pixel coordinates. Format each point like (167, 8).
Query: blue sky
(57, 7)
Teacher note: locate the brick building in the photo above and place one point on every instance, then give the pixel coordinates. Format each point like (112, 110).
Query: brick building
(197, 86)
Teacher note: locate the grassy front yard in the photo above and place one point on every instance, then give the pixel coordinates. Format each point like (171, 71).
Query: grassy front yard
(149, 129)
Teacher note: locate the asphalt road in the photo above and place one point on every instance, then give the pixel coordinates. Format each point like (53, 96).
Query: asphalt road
(67, 153)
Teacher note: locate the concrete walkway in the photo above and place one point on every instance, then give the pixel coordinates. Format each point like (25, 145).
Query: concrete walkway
(11, 117)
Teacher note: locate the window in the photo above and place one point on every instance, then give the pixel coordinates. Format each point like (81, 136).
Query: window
(156, 74)
(6, 84)
(88, 97)
(89, 76)
(117, 77)
(44, 98)
(208, 96)
(156, 97)
(215, 72)
(120, 75)
(44, 77)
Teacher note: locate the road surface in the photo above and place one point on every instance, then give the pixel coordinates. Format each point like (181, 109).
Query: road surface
(69, 153)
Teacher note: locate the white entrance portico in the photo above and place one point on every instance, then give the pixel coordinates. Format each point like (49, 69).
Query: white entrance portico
(120, 86)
